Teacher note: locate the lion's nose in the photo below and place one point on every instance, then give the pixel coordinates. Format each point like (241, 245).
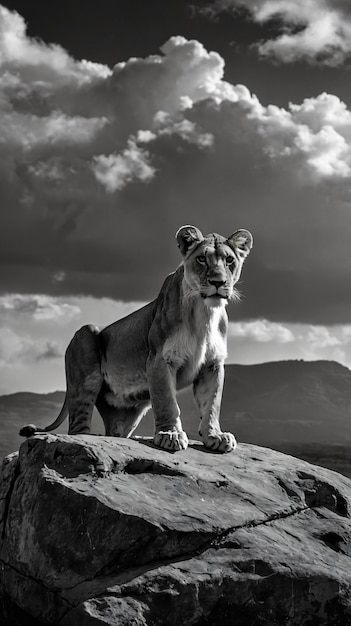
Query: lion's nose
(217, 283)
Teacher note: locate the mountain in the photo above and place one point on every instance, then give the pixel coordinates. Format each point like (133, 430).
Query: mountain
(299, 407)
(289, 401)
(21, 408)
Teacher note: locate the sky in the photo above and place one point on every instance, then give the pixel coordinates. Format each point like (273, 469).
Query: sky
(124, 120)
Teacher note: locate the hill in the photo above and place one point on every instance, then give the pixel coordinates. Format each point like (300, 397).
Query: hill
(299, 407)
(290, 401)
(18, 409)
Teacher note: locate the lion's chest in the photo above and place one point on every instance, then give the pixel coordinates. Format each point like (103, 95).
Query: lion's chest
(191, 346)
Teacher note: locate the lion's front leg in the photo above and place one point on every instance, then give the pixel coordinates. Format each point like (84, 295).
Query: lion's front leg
(169, 433)
(208, 388)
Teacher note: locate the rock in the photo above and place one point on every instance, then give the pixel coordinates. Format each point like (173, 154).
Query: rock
(97, 530)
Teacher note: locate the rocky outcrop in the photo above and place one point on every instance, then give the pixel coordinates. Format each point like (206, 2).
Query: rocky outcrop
(96, 530)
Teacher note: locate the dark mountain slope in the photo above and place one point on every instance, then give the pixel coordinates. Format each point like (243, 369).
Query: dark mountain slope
(293, 401)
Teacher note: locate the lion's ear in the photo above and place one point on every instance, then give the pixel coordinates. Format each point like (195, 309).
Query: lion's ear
(187, 237)
(242, 241)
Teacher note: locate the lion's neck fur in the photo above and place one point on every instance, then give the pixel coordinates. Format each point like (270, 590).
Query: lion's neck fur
(199, 336)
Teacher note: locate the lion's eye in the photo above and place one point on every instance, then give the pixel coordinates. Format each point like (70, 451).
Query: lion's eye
(229, 260)
(201, 259)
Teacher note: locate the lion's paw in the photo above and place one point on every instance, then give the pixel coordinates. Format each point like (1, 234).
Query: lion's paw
(171, 440)
(220, 442)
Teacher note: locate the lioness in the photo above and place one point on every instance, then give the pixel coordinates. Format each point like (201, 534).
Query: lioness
(177, 340)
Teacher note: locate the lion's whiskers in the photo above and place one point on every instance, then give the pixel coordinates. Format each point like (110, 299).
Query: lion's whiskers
(236, 296)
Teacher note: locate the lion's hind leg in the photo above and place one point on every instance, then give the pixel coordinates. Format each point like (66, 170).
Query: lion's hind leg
(84, 378)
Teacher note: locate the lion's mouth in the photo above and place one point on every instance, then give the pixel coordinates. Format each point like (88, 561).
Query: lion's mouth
(215, 295)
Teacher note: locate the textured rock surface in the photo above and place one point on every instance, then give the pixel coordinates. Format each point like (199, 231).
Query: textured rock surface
(96, 530)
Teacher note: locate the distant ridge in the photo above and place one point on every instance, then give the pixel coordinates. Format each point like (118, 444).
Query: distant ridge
(17, 409)
(24, 396)
(295, 401)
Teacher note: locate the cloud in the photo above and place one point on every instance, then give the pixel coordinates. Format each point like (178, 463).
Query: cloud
(22, 348)
(116, 170)
(321, 337)
(100, 167)
(262, 340)
(166, 125)
(39, 307)
(41, 60)
(59, 277)
(318, 31)
(261, 331)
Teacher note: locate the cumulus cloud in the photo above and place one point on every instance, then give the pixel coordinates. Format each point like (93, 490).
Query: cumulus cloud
(100, 167)
(114, 171)
(313, 30)
(262, 331)
(17, 50)
(256, 340)
(39, 307)
(319, 337)
(166, 125)
(33, 132)
(23, 348)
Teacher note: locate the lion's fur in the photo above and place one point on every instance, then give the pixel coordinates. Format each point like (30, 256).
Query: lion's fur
(177, 340)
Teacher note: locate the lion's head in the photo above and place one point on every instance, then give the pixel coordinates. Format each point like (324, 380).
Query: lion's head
(212, 263)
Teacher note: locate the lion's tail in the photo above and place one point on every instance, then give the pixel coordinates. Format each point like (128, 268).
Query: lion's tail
(30, 429)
